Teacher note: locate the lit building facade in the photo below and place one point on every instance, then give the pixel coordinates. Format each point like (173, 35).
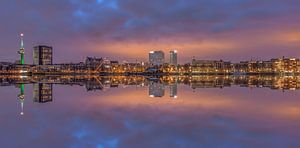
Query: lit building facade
(210, 66)
(156, 58)
(42, 55)
(173, 57)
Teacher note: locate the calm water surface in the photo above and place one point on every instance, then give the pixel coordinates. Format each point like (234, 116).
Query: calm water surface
(129, 116)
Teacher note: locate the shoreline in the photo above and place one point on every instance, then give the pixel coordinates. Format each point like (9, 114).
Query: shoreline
(149, 74)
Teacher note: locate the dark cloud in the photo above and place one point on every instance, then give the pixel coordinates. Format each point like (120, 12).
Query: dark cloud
(71, 25)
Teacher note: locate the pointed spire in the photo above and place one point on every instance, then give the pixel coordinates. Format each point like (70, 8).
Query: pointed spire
(22, 50)
(22, 41)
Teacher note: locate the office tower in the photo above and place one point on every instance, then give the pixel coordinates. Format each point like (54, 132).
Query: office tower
(42, 93)
(156, 57)
(173, 90)
(173, 57)
(42, 55)
(156, 89)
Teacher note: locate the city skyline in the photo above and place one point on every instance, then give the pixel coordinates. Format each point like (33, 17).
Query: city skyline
(43, 55)
(156, 65)
(150, 73)
(229, 30)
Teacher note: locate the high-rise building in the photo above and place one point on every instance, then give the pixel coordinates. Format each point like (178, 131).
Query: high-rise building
(156, 57)
(173, 57)
(42, 93)
(42, 55)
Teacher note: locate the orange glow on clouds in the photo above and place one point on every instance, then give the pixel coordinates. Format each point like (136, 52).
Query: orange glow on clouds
(187, 46)
(198, 47)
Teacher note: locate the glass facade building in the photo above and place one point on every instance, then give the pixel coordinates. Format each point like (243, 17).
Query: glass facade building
(42, 55)
(173, 57)
(156, 57)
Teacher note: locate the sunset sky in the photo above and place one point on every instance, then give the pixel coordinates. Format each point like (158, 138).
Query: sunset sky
(128, 29)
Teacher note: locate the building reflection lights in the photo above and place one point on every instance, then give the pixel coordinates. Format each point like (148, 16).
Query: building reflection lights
(42, 85)
(42, 93)
(156, 89)
(173, 90)
(21, 97)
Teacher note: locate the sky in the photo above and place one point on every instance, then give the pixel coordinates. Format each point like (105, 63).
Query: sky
(232, 30)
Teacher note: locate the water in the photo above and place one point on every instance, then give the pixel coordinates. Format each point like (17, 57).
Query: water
(128, 112)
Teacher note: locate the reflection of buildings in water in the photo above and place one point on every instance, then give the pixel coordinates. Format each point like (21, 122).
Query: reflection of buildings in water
(42, 85)
(210, 82)
(173, 90)
(156, 89)
(201, 81)
(289, 83)
(42, 92)
(21, 97)
(94, 84)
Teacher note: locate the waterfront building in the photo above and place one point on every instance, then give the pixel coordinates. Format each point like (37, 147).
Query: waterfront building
(280, 65)
(115, 67)
(93, 61)
(156, 58)
(42, 93)
(227, 67)
(134, 67)
(290, 65)
(95, 64)
(114, 63)
(241, 67)
(173, 57)
(210, 66)
(42, 55)
(4, 66)
(266, 67)
(286, 65)
(203, 66)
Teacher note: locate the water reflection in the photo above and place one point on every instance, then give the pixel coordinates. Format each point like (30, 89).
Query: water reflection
(211, 111)
(42, 85)
(156, 84)
(156, 89)
(42, 92)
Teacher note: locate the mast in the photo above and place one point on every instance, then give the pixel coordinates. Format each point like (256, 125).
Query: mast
(21, 96)
(22, 50)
